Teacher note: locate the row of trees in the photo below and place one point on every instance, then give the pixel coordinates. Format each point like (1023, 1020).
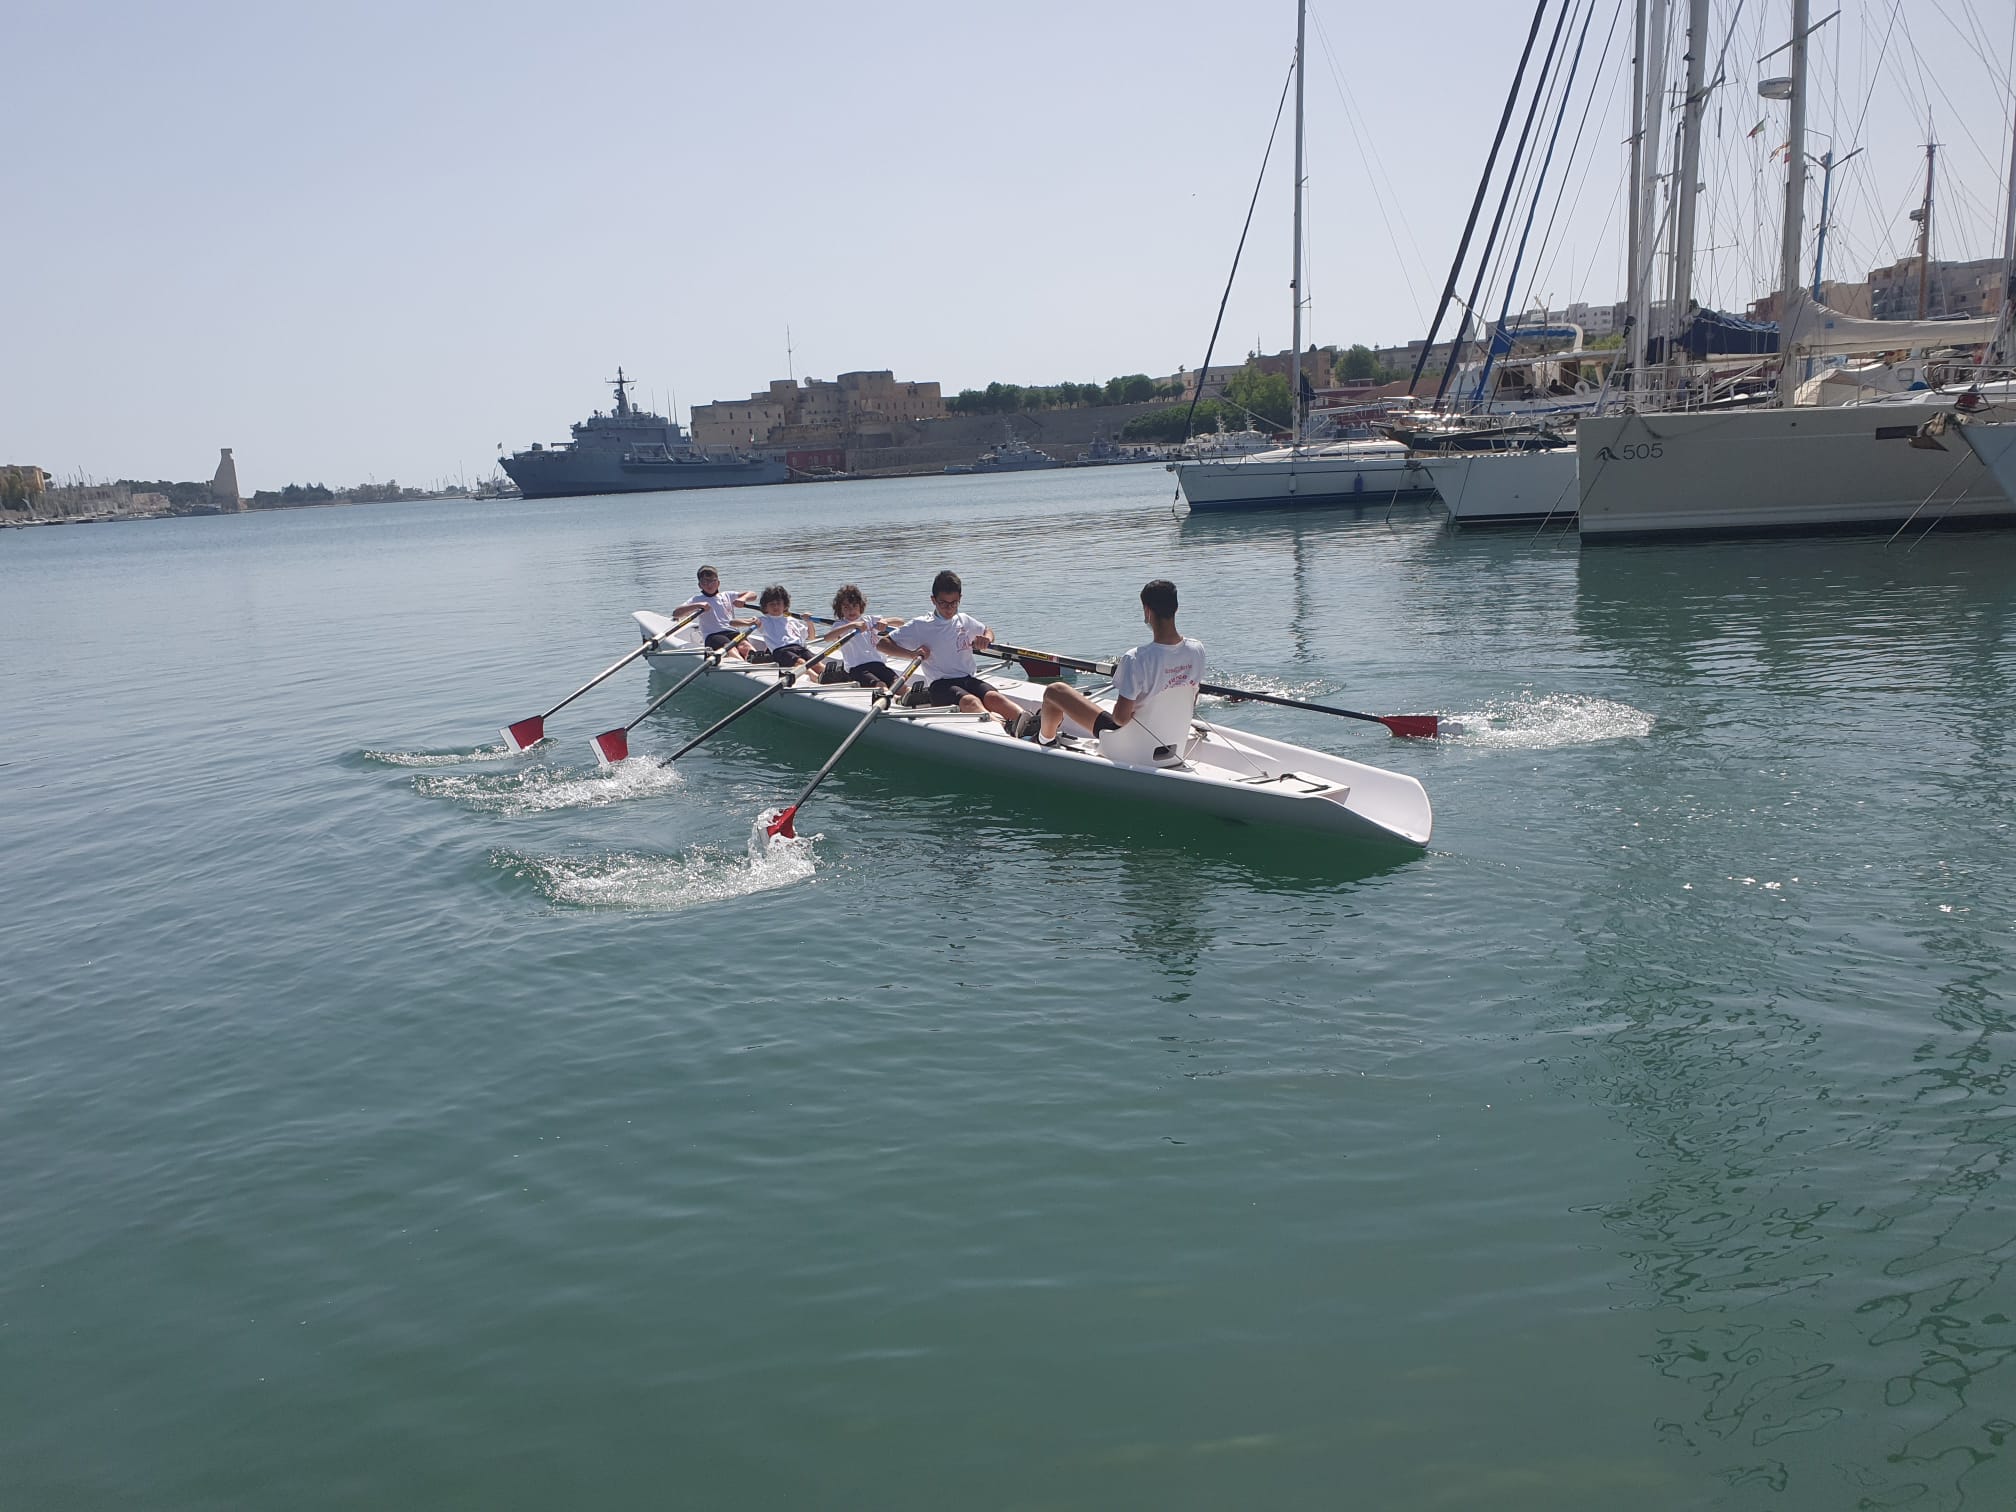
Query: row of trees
(1259, 391)
(1010, 398)
(1252, 398)
(292, 494)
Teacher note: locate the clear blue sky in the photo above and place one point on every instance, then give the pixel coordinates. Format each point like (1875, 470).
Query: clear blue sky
(374, 240)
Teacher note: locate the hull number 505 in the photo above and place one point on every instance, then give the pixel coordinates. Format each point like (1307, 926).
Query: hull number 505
(1644, 452)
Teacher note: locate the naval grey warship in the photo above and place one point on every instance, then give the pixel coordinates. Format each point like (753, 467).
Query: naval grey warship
(630, 450)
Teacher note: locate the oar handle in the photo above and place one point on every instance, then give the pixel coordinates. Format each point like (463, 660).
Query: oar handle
(711, 658)
(786, 676)
(1075, 663)
(1399, 724)
(617, 666)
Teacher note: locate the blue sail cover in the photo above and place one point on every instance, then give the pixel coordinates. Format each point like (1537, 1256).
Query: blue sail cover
(1710, 331)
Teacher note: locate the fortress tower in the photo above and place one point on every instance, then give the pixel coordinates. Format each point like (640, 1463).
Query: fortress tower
(224, 487)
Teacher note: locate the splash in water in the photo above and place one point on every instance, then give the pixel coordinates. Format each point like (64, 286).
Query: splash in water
(436, 758)
(1528, 723)
(540, 789)
(664, 883)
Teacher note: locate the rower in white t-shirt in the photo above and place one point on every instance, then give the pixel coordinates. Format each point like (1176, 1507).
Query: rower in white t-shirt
(717, 623)
(947, 639)
(1170, 660)
(783, 635)
(861, 657)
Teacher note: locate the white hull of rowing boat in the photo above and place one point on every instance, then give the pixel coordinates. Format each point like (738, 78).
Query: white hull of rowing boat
(1247, 779)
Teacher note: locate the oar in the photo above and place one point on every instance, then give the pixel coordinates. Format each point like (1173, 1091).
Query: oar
(527, 733)
(1416, 726)
(786, 677)
(612, 746)
(880, 701)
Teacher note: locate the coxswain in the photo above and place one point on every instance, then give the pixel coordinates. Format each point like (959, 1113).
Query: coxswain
(1170, 659)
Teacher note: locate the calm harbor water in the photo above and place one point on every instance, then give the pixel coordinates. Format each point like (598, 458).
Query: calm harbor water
(387, 1123)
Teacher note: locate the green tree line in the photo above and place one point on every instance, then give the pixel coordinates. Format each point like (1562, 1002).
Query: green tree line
(1011, 398)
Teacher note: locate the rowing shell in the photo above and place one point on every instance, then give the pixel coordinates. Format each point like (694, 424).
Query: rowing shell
(1244, 778)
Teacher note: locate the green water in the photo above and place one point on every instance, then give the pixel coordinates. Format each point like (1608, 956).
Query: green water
(386, 1124)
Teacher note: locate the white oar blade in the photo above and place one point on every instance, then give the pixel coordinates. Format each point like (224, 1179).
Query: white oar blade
(525, 734)
(611, 746)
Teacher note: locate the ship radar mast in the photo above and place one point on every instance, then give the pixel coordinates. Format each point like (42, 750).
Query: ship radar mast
(622, 399)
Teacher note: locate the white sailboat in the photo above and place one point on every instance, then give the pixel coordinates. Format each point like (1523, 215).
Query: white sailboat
(1787, 467)
(1299, 475)
(1505, 487)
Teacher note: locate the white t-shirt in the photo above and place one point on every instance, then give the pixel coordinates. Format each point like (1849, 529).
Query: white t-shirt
(950, 642)
(781, 630)
(719, 609)
(1156, 668)
(861, 649)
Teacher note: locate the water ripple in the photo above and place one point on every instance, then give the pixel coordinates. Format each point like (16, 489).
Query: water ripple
(541, 789)
(498, 752)
(633, 880)
(1552, 720)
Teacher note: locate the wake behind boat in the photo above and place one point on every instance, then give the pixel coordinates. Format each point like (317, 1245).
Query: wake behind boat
(1209, 769)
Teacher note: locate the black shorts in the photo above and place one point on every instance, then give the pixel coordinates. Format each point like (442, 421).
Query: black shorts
(720, 638)
(790, 656)
(946, 690)
(874, 675)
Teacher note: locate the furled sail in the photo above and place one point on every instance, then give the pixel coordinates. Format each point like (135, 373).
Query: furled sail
(1812, 328)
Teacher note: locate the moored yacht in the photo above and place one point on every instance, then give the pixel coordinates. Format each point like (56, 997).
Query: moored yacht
(1785, 467)
(1337, 472)
(1505, 487)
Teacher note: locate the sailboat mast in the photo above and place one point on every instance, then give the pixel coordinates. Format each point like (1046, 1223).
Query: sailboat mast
(1295, 278)
(1654, 104)
(1795, 155)
(1635, 191)
(1998, 346)
(1924, 219)
(1689, 185)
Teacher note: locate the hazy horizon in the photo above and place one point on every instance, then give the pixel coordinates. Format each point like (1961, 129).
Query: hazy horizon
(370, 243)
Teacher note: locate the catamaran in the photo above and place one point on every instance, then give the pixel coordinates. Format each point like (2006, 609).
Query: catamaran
(1164, 754)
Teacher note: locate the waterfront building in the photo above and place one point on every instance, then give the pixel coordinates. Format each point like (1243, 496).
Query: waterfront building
(1953, 290)
(817, 409)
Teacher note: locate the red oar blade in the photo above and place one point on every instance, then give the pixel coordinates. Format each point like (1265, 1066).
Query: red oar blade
(611, 746)
(1414, 726)
(525, 734)
(781, 825)
(1038, 666)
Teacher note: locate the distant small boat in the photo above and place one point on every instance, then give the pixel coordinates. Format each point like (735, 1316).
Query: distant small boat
(1010, 454)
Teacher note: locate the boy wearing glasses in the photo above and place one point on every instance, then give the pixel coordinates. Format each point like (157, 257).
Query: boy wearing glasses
(947, 639)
